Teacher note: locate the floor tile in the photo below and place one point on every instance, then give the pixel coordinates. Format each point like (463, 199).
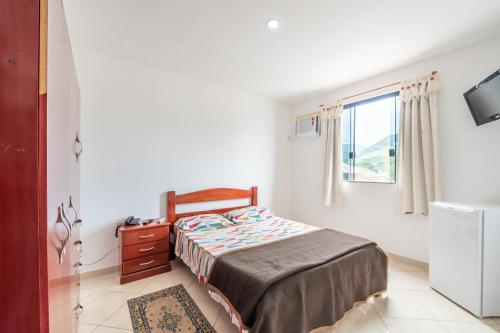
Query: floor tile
(111, 282)
(178, 273)
(412, 280)
(399, 303)
(85, 292)
(166, 280)
(455, 327)
(102, 304)
(104, 329)
(101, 282)
(393, 283)
(406, 325)
(134, 286)
(362, 319)
(224, 324)
(441, 308)
(401, 265)
(198, 292)
(210, 310)
(86, 328)
(119, 319)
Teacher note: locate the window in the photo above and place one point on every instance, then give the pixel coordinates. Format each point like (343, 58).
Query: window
(370, 131)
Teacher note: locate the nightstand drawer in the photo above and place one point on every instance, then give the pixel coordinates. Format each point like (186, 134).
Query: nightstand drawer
(146, 235)
(136, 265)
(144, 249)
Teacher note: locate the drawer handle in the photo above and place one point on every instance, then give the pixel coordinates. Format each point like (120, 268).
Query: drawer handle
(146, 263)
(148, 249)
(147, 236)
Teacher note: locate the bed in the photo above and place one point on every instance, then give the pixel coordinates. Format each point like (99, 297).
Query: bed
(276, 275)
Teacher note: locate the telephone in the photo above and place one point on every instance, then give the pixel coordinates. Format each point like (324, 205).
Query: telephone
(128, 221)
(132, 220)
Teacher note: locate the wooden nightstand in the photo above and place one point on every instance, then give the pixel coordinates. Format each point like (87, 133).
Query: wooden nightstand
(144, 251)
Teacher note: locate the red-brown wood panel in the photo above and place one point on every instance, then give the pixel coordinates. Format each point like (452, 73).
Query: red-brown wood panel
(21, 302)
(209, 211)
(42, 210)
(144, 235)
(145, 249)
(140, 264)
(213, 194)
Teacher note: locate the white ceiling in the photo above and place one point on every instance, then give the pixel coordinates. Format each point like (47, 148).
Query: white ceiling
(320, 45)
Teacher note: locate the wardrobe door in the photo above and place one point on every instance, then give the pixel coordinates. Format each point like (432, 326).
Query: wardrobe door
(63, 218)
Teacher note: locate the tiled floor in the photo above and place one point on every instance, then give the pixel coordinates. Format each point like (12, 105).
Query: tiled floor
(408, 306)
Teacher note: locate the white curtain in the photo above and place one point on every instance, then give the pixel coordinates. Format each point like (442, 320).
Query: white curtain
(418, 174)
(333, 158)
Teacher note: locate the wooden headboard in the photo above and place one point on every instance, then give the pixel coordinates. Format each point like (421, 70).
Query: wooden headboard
(213, 194)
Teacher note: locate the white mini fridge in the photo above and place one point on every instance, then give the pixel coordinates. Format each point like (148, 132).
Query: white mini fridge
(464, 255)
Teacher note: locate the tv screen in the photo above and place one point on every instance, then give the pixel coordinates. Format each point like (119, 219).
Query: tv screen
(484, 99)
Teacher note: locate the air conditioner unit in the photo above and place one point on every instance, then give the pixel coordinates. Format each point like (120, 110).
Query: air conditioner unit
(307, 126)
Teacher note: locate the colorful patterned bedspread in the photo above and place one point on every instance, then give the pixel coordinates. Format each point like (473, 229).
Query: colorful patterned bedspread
(199, 249)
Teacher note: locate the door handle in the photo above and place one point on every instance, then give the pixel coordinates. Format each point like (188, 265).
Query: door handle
(78, 309)
(77, 267)
(77, 221)
(77, 147)
(62, 249)
(65, 217)
(78, 247)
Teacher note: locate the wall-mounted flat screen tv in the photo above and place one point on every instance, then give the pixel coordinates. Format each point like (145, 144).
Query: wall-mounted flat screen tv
(484, 99)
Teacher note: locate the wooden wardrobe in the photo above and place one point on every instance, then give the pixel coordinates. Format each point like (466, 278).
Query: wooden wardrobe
(39, 170)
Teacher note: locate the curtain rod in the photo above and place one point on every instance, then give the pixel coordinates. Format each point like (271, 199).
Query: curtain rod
(434, 72)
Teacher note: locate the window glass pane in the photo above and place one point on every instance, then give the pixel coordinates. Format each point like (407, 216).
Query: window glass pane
(374, 138)
(346, 143)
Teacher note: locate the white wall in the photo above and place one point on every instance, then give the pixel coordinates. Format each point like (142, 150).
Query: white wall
(470, 157)
(145, 132)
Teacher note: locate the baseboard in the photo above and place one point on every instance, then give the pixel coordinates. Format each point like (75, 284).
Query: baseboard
(410, 261)
(99, 272)
(113, 269)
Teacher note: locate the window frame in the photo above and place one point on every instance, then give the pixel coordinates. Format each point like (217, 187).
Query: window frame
(352, 142)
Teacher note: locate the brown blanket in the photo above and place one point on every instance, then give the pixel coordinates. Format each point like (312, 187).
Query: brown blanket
(300, 283)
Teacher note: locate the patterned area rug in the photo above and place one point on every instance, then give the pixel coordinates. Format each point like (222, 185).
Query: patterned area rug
(168, 310)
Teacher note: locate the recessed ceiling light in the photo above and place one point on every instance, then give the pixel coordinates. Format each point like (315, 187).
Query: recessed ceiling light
(273, 23)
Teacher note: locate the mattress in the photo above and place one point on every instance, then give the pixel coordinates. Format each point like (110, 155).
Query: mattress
(199, 249)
